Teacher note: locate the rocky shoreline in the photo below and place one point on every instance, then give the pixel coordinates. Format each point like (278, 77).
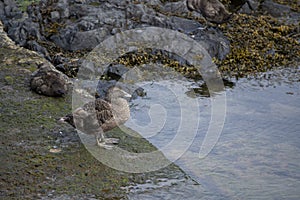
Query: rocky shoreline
(256, 39)
(44, 160)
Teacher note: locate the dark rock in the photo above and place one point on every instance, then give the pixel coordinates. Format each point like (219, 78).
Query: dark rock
(81, 40)
(214, 42)
(250, 6)
(139, 92)
(65, 38)
(236, 5)
(34, 13)
(11, 10)
(67, 66)
(23, 31)
(59, 59)
(184, 25)
(103, 86)
(177, 7)
(280, 11)
(116, 71)
(85, 24)
(2, 12)
(275, 9)
(34, 46)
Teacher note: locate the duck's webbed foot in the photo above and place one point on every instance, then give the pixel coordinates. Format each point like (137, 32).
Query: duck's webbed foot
(106, 143)
(111, 140)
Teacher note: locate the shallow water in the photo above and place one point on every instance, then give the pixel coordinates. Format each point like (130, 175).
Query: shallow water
(257, 155)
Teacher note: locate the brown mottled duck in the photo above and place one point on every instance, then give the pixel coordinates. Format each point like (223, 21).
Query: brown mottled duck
(49, 81)
(212, 10)
(101, 115)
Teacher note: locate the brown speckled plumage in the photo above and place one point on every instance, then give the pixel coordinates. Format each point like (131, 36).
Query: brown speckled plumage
(49, 81)
(213, 10)
(101, 115)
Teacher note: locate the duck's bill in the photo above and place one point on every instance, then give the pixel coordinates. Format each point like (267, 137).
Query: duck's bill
(127, 95)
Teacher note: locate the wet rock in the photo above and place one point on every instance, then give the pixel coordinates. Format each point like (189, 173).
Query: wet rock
(185, 25)
(73, 40)
(5, 41)
(84, 24)
(68, 66)
(139, 92)
(214, 44)
(116, 71)
(275, 9)
(49, 81)
(28, 163)
(9, 9)
(24, 32)
(102, 87)
(59, 59)
(280, 11)
(236, 5)
(178, 7)
(33, 45)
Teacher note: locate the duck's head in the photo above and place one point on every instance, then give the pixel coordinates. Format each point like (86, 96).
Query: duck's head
(116, 92)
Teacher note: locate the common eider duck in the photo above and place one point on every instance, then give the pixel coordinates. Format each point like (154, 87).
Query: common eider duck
(49, 81)
(99, 116)
(212, 10)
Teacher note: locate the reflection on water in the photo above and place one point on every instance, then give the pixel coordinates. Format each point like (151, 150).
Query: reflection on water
(164, 113)
(258, 153)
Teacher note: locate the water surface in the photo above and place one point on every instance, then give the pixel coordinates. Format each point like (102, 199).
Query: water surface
(258, 153)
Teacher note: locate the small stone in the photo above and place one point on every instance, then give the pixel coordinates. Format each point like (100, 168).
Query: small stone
(55, 15)
(55, 150)
(80, 1)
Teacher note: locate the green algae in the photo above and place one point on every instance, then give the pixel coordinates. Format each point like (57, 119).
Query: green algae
(26, 150)
(148, 56)
(23, 4)
(95, 3)
(258, 42)
(29, 131)
(9, 80)
(29, 170)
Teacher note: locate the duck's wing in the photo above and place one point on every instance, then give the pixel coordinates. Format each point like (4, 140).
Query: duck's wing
(216, 12)
(212, 8)
(103, 110)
